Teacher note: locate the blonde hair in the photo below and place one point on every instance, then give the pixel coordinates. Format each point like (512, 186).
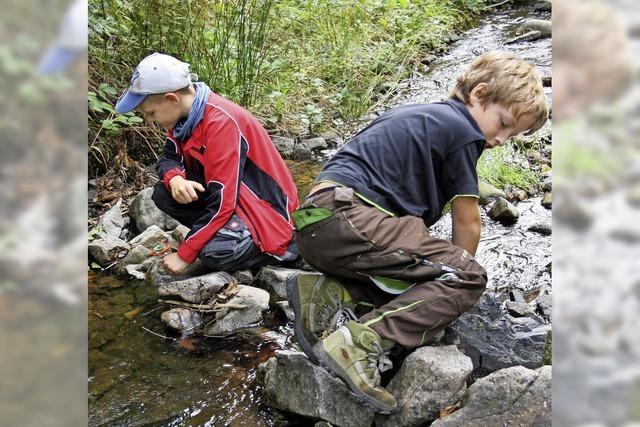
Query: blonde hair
(511, 82)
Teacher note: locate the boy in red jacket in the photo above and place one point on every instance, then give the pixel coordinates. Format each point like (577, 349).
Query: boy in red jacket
(220, 173)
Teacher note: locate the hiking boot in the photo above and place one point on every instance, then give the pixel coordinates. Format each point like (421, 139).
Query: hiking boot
(321, 304)
(357, 355)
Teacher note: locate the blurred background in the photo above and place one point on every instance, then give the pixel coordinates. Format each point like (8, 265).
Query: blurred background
(43, 204)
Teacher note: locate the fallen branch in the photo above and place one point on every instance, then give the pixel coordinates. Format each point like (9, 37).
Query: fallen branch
(203, 307)
(159, 335)
(496, 5)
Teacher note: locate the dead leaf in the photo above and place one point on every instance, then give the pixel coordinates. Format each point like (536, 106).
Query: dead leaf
(449, 410)
(133, 313)
(188, 343)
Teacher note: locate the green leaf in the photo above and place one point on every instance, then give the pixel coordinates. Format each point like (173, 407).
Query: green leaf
(95, 266)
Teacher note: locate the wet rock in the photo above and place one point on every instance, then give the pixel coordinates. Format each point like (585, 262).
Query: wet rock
(284, 145)
(504, 212)
(301, 153)
(385, 87)
(157, 275)
(244, 277)
(544, 302)
(196, 289)
(541, 25)
(181, 319)
(136, 255)
(313, 144)
(546, 81)
(514, 193)
(570, 211)
(546, 200)
(136, 271)
(633, 196)
(541, 228)
(516, 295)
(145, 213)
(276, 278)
(519, 309)
(488, 192)
(290, 382)
(626, 234)
(515, 396)
(526, 37)
(108, 249)
(332, 137)
(288, 311)
(430, 379)
(229, 321)
(150, 238)
(543, 6)
(494, 340)
(180, 233)
(113, 221)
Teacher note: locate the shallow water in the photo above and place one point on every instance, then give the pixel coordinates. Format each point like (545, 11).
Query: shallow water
(137, 378)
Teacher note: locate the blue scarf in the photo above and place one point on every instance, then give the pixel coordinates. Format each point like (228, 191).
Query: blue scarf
(184, 128)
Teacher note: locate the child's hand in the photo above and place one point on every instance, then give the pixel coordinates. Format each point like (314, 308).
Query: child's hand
(174, 264)
(184, 191)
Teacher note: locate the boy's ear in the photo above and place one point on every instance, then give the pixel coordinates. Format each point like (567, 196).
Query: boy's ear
(476, 93)
(171, 97)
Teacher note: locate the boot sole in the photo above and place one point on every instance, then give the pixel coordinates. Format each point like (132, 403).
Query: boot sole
(325, 360)
(294, 299)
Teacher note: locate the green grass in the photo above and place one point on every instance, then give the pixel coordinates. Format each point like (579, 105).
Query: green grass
(499, 167)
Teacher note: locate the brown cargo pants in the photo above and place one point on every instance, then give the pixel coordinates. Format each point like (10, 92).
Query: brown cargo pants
(417, 283)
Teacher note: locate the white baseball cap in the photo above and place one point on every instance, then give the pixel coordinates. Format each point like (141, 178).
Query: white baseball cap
(157, 73)
(71, 41)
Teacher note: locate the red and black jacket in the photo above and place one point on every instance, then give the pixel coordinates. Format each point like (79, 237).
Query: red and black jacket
(243, 173)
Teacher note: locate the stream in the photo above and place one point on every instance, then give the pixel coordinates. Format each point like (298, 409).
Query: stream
(141, 374)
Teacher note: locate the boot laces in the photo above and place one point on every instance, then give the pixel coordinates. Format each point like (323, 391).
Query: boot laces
(379, 362)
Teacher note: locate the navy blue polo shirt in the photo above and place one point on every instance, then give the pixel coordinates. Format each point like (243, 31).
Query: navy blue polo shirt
(412, 159)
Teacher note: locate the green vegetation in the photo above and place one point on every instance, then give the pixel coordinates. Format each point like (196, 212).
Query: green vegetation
(499, 167)
(300, 66)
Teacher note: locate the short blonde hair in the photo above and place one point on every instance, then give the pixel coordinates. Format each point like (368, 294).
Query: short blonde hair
(511, 82)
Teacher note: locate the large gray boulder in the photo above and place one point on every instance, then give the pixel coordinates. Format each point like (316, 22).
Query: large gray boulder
(541, 25)
(137, 255)
(108, 249)
(145, 213)
(181, 319)
(157, 275)
(430, 379)
(495, 340)
(229, 320)
(284, 145)
(276, 278)
(290, 382)
(113, 221)
(196, 289)
(150, 237)
(313, 144)
(514, 396)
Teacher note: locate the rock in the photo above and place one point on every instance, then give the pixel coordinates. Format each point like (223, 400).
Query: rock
(301, 153)
(229, 321)
(516, 295)
(546, 185)
(428, 59)
(572, 212)
(180, 233)
(541, 25)
(157, 275)
(526, 37)
(626, 234)
(150, 238)
(543, 6)
(137, 255)
(108, 249)
(488, 192)
(633, 196)
(290, 382)
(277, 277)
(284, 145)
(541, 228)
(331, 136)
(244, 277)
(322, 424)
(544, 303)
(546, 200)
(112, 222)
(385, 87)
(196, 289)
(494, 340)
(288, 311)
(504, 212)
(145, 213)
(546, 81)
(181, 319)
(518, 309)
(313, 144)
(430, 379)
(515, 396)
(136, 271)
